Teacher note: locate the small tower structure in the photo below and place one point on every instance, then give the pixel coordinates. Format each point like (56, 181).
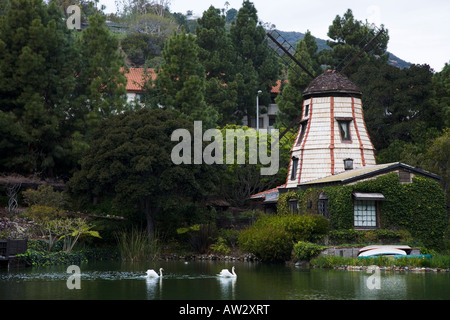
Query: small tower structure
(332, 135)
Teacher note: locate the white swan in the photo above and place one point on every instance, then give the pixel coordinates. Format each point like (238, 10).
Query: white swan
(227, 274)
(152, 273)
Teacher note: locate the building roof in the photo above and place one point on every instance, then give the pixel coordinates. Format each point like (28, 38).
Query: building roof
(329, 82)
(358, 174)
(346, 177)
(136, 78)
(268, 195)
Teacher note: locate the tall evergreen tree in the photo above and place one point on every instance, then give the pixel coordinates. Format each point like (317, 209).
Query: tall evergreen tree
(180, 84)
(290, 101)
(36, 83)
(256, 65)
(100, 89)
(349, 36)
(216, 54)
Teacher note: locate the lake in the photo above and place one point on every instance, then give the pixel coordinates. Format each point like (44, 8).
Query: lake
(197, 280)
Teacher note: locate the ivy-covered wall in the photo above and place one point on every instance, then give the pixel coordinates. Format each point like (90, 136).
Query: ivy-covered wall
(418, 207)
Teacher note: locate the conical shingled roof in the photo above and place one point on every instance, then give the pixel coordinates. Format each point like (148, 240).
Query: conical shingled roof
(330, 82)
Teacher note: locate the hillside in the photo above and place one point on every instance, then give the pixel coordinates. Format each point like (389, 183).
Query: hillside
(293, 37)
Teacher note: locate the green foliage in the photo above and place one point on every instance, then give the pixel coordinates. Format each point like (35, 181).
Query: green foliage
(269, 243)
(351, 236)
(272, 237)
(45, 195)
(417, 207)
(306, 250)
(130, 162)
(137, 245)
(438, 261)
(221, 246)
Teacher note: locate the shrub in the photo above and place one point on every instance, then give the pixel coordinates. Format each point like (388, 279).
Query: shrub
(46, 196)
(271, 237)
(306, 250)
(267, 242)
(221, 246)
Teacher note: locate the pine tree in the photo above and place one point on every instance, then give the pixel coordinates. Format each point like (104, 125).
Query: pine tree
(36, 82)
(291, 100)
(100, 89)
(256, 65)
(180, 84)
(216, 54)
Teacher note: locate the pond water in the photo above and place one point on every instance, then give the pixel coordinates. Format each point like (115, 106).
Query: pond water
(198, 280)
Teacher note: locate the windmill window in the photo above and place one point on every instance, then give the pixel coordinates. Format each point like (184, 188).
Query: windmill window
(302, 132)
(294, 168)
(344, 128)
(306, 110)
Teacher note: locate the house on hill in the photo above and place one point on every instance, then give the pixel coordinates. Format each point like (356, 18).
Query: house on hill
(136, 78)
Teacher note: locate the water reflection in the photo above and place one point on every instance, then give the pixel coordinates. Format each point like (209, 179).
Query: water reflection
(227, 286)
(199, 280)
(154, 287)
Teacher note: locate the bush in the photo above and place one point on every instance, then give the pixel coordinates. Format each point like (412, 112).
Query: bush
(267, 242)
(306, 250)
(271, 237)
(220, 246)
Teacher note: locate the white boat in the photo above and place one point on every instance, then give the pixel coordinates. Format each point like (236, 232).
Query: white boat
(406, 249)
(382, 251)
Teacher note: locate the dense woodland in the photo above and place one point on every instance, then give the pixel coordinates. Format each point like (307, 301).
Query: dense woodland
(64, 115)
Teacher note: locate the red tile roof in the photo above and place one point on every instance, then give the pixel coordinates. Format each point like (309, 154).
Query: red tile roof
(264, 193)
(136, 79)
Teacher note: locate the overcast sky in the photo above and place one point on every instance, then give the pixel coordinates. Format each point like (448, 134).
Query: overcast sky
(419, 30)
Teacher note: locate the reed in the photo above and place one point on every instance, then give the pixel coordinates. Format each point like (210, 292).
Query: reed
(137, 245)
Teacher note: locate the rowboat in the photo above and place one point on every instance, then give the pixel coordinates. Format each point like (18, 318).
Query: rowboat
(384, 251)
(385, 248)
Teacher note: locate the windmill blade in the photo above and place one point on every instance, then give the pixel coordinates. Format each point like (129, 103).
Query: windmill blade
(362, 50)
(286, 47)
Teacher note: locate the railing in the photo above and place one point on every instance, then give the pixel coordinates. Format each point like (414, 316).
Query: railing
(9, 248)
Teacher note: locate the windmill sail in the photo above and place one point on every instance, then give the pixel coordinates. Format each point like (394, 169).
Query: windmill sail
(288, 51)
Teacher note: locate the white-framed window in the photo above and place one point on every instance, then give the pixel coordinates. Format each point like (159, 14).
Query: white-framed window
(365, 213)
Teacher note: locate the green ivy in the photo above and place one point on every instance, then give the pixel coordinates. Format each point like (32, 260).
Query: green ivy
(418, 207)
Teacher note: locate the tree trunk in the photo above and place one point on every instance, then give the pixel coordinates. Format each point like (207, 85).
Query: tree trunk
(150, 215)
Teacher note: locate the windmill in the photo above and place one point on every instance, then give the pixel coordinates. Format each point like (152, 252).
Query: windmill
(332, 135)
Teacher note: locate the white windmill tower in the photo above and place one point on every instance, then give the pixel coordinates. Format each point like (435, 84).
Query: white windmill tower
(332, 135)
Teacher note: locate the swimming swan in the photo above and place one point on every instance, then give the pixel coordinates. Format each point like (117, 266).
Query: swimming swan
(227, 274)
(152, 273)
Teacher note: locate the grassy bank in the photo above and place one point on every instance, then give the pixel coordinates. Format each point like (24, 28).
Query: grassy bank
(435, 262)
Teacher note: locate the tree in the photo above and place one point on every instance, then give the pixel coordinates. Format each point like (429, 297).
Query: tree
(180, 84)
(256, 65)
(397, 103)
(216, 54)
(441, 94)
(100, 89)
(130, 162)
(37, 78)
(291, 100)
(349, 37)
